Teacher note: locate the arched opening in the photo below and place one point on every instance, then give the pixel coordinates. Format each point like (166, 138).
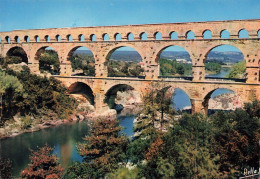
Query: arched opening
(93, 37)
(82, 61)
(124, 62)
(174, 62)
(174, 35)
(58, 38)
(0, 40)
(82, 92)
(118, 37)
(26, 38)
(105, 37)
(48, 60)
(243, 33)
(7, 39)
(190, 35)
(207, 34)
(16, 55)
(81, 38)
(221, 99)
(258, 34)
(69, 38)
(47, 38)
(123, 96)
(37, 38)
(17, 39)
(181, 101)
(225, 61)
(130, 36)
(143, 36)
(174, 100)
(158, 36)
(224, 34)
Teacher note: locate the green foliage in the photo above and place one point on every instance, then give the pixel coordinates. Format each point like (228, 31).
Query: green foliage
(238, 70)
(49, 62)
(14, 60)
(10, 87)
(26, 122)
(136, 150)
(32, 95)
(124, 68)
(213, 67)
(237, 137)
(171, 68)
(188, 148)
(5, 168)
(83, 62)
(80, 170)
(125, 173)
(104, 148)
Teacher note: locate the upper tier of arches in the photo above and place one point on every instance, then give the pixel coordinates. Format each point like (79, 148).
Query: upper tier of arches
(181, 31)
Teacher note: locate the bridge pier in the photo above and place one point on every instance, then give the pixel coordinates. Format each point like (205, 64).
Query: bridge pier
(65, 69)
(100, 105)
(197, 106)
(198, 73)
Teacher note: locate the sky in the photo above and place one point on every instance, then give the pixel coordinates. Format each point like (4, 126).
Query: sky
(36, 14)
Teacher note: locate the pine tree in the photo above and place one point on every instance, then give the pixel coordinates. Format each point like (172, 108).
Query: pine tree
(43, 165)
(104, 148)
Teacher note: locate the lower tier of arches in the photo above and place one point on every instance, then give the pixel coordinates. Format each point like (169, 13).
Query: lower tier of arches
(97, 91)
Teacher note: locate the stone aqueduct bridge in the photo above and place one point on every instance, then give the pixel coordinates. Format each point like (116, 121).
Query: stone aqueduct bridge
(66, 40)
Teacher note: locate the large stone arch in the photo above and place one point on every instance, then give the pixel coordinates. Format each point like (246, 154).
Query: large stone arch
(40, 49)
(170, 89)
(70, 50)
(112, 90)
(209, 48)
(207, 95)
(161, 48)
(11, 52)
(113, 48)
(83, 89)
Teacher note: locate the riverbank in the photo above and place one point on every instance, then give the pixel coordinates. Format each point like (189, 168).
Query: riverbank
(16, 126)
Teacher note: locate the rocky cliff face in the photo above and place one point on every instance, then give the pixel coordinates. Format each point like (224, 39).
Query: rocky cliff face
(228, 101)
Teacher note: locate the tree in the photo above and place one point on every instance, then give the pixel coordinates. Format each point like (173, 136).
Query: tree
(238, 70)
(188, 147)
(237, 138)
(49, 61)
(5, 168)
(9, 85)
(43, 165)
(104, 149)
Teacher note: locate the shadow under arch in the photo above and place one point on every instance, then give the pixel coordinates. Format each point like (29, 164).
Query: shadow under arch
(111, 94)
(223, 99)
(17, 52)
(84, 90)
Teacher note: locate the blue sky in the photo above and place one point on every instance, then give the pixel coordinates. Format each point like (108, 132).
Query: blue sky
(35, 14)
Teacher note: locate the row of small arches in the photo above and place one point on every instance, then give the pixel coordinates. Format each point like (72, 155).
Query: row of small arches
(207, 34)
